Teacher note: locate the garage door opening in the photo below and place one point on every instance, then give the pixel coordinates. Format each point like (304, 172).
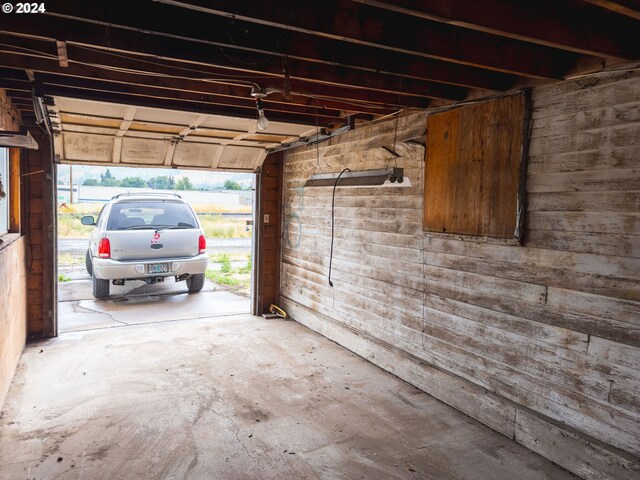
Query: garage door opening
(178, 145)
(146, 202)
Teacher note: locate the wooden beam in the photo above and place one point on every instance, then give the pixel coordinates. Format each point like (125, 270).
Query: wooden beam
(14, 185)
(630, 8)
(360, 93)
(132, 97)
(578, 30)
(222, 94)
(94, 89)
(63, 59)
(143, 34)
(227, 92)
(349, 22)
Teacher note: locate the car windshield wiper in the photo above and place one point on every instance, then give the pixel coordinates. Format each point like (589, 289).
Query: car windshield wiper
(180, 226)
(138, 227)
(158, 228)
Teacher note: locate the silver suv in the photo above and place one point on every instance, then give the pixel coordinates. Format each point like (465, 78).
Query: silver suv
(146, 237)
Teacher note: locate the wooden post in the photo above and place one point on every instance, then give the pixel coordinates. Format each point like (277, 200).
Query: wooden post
(269, 231)
(70, 184)
(14, 188)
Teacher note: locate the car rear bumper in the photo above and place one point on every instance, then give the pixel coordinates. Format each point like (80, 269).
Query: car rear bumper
(107, 269)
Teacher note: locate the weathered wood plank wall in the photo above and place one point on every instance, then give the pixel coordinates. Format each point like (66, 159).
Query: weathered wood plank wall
(12, 267)
(541, 342)
(39, 283)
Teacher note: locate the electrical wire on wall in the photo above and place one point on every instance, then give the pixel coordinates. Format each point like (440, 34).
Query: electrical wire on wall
(333, 204)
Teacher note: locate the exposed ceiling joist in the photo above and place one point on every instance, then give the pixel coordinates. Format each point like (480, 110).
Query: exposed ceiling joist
(363, 25)
(553, 25)
(630, 8)
(248, 46)
(63, 58)
(105, 67)
(133, 95)
(327, 65)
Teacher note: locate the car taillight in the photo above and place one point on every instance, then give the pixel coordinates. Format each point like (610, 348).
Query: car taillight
(104, 248)
(202, 244)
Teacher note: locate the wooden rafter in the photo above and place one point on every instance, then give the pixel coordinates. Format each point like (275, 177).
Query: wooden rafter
(630, 8)
(363, 25)
(147, 96)
(328, 63)
(320, 61)
(166, 74)
(585, 31)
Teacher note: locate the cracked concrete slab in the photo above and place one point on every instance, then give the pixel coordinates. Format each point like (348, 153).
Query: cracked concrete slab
(81, 288)
(137, 303)
(235, 397)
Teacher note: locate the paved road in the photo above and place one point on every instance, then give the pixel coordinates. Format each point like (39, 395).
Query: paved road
(214, 245)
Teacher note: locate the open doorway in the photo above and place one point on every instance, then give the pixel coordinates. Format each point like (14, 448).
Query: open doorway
(223, 204)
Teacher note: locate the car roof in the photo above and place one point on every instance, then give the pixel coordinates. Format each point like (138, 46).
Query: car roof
(137, 197)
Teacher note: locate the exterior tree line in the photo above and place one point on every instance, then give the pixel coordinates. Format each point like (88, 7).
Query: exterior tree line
(162, 182)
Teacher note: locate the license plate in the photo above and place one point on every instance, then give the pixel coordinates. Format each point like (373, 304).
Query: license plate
(158, 268)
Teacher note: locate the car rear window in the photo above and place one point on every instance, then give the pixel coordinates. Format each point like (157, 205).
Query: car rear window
(150, 215)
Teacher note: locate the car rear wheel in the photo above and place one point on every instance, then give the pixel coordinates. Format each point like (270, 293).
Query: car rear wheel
(195, 282)
(87, 263)
(100, 288)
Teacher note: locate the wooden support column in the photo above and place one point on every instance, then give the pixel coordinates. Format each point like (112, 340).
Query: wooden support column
(40, 223)
(14, 185)
(269, 219)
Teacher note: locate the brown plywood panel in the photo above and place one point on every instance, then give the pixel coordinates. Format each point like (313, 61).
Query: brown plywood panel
(472, 167)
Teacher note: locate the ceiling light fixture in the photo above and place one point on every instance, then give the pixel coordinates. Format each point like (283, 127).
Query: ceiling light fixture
(17, 140)
(259, 94)
(383, 177)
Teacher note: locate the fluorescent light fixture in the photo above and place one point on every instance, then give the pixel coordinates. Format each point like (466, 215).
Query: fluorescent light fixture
(383, 177)
(17, 140)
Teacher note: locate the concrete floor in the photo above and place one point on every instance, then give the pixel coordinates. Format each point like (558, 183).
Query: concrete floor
(136, 303)
(232, 397)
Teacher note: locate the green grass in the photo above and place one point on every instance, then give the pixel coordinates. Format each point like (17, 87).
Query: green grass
(69, 226)
(225, 264)
(226, 279)
(236, 279)
(215, 226)
(63, 278)
(70, 259)
(246, 268)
